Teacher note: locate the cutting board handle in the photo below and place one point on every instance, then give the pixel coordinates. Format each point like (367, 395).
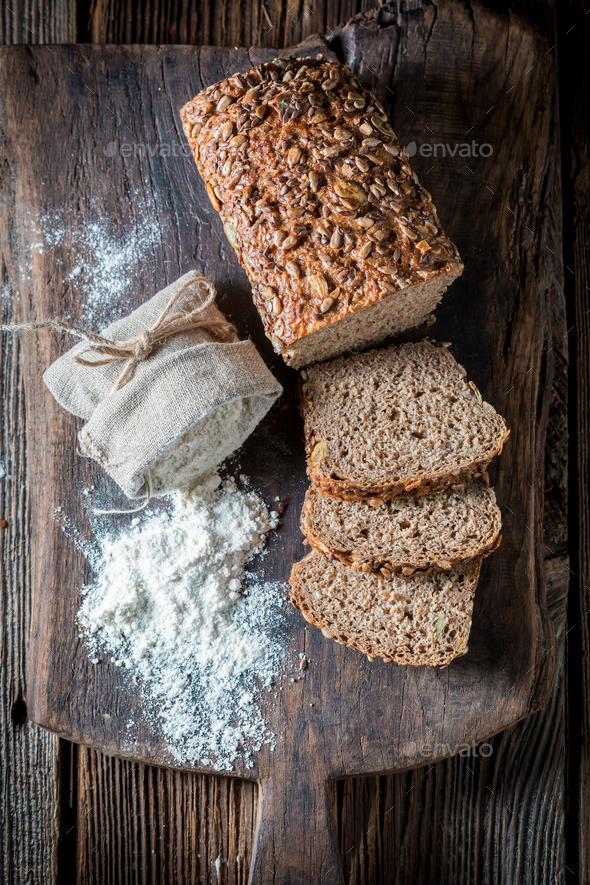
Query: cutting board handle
(295, 834)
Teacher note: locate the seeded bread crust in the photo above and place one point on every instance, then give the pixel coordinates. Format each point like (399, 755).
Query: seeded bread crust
(415, 486)
(321, 206)
(423, 620)
(372, 433)
(405, 535)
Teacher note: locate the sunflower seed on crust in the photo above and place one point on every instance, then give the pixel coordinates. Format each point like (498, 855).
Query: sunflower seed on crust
(309, 180)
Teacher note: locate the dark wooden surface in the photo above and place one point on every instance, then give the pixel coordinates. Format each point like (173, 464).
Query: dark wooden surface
(31, 758)
(364, 718)
(573, 20)
(496, 819)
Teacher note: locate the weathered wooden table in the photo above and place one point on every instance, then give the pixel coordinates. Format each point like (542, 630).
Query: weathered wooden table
(73, 815)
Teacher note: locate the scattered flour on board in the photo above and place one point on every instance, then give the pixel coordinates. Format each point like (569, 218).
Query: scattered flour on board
(105, 264)
(172, 601)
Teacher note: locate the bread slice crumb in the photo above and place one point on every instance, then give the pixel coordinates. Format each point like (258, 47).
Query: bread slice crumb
(400, 420)
(423, 620)
(405, 535)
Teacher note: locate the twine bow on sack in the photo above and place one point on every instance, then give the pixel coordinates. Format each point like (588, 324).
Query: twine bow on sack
(137, 349)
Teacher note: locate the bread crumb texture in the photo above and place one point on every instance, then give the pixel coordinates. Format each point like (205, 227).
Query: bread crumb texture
(405, 534)
(422, 620)
(400, 420)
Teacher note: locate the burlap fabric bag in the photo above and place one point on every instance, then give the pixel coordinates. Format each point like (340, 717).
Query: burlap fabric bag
(162, 413)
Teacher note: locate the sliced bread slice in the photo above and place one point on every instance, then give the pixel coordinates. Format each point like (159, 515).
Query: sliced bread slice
(405, 534)
(423, 620)
(400, 420)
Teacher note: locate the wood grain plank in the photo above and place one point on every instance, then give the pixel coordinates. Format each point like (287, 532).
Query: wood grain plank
(31, 759)
(140, 825)
(574, 46)
(497, 816)
(276, 23)
(35, 21)
(29, 786)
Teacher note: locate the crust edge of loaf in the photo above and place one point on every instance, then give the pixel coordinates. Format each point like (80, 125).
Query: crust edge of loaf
(347, 491)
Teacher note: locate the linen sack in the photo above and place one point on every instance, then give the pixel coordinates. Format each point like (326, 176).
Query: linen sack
(187, 406)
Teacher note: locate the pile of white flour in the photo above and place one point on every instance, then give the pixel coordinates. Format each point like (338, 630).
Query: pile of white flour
(173, 603)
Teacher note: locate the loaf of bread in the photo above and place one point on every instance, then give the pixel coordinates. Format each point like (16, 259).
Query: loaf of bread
(400, 420)
(423, 620)
(405, 535)
(340, 242)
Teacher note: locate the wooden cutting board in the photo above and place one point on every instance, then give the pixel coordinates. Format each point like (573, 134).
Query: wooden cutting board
(61, 111)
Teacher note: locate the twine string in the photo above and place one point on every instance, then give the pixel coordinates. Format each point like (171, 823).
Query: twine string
(137, 349)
